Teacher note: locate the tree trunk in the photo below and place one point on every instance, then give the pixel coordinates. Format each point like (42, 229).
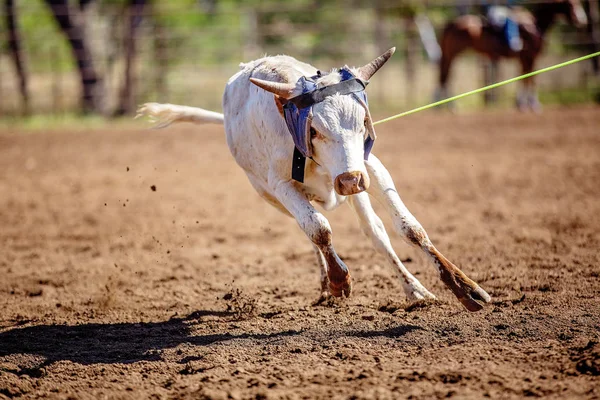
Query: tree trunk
(14, 46)
(127, 96)
(162, 61)
(594, 31)
(92, 93)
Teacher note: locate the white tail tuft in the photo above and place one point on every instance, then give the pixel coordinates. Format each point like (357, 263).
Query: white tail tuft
(163, 115)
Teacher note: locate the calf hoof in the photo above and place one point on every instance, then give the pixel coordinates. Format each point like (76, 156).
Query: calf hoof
(323, 298)
(475, 298)
(466, 290)
(416, 292)
(341, 289)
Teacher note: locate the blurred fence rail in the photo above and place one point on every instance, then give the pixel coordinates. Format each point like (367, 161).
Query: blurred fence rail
(183, 51)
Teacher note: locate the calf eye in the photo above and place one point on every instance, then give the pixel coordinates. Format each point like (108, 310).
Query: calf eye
(313, 133)
(365, 123)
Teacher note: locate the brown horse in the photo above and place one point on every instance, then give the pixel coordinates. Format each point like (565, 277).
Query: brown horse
(472, 31)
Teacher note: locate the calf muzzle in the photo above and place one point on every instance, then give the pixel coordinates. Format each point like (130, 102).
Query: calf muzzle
(350, 183)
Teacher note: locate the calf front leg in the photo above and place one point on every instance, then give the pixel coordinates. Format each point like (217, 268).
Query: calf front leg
(372, 226)
(318, 230)
(382, 188)
(324, 279)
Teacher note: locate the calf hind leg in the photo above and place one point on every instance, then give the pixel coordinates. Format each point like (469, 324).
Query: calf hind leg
(382, 188)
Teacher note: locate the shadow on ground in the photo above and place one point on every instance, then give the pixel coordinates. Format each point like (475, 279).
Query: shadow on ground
(126, 343)
(114, 343)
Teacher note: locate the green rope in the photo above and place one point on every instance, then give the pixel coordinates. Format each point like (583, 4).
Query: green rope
(483, 89)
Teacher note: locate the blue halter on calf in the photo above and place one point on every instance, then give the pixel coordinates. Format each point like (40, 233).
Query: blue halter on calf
(298, 114)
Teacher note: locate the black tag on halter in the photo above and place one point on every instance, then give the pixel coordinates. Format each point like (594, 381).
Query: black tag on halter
(298, 164)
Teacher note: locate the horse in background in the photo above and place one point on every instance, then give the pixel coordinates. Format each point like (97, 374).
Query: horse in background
(473, 31)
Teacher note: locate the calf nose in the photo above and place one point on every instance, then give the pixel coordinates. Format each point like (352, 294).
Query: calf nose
(350, 183)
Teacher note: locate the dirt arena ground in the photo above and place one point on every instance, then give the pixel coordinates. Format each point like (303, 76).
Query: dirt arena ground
(199, 289)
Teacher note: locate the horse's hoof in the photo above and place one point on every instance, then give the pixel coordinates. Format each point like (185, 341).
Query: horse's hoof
(522, 107)
(536, 107)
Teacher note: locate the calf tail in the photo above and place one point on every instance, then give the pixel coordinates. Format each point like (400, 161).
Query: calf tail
(164, 115)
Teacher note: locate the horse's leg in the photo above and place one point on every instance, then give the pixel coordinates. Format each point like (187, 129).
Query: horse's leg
(521, 100)
(441, 92)
(448, 53)
(453, 42)
(527, 98)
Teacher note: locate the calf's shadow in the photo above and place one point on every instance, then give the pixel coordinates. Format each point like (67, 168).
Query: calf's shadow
(125, 343)
(114, 343)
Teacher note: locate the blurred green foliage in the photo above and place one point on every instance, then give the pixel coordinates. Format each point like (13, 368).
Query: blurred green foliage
(216, 31)
(41, 37)
(213, 36)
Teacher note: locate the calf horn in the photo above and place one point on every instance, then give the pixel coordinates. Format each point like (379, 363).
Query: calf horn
(366, 72)
(279, 88)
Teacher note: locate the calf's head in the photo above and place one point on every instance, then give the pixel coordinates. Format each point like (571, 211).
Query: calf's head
(337, 136)
(329, 119)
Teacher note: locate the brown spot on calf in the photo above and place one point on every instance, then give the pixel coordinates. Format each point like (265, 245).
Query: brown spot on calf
(416, 236)
(322, 239)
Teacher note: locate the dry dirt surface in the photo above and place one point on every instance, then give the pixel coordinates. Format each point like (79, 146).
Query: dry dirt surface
(141, 264)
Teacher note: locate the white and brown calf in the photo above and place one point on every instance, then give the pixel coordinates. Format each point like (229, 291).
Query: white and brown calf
(260, 142)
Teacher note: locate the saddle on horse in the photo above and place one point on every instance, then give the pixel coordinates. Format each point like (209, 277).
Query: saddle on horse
(502, 21)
